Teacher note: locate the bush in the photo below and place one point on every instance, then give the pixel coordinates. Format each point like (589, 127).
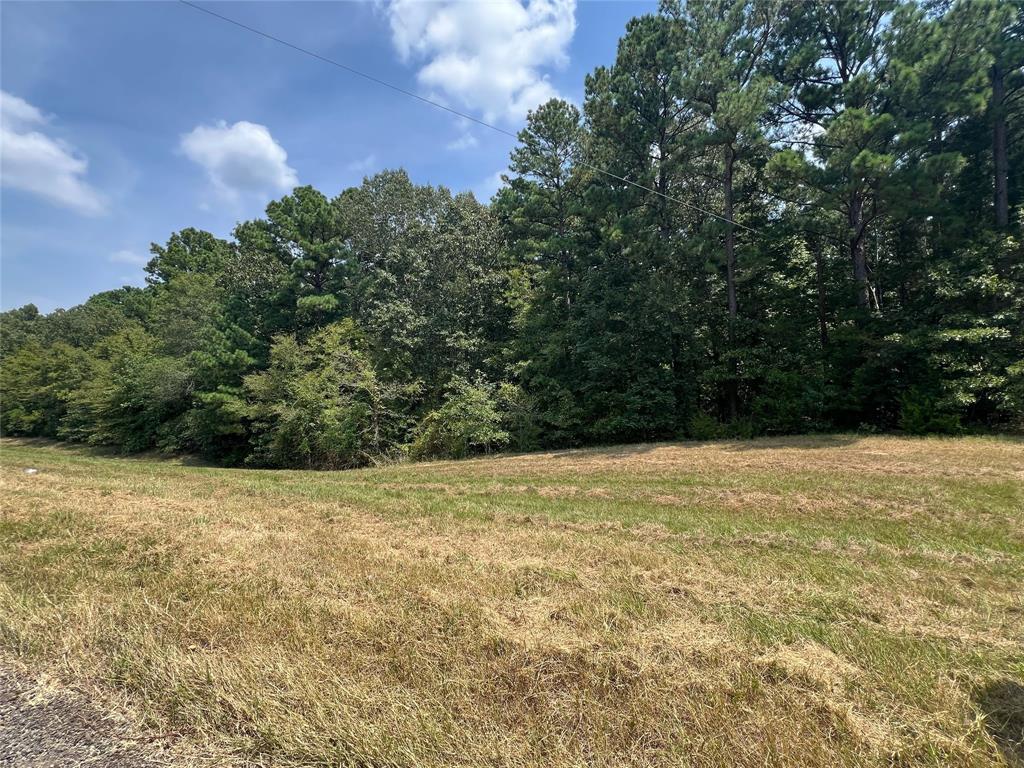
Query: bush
(320, 403)
(920, 416)
(741, 428)
(468, 422)
(789, 402)
(1012, 398)
(704, 426)
(132, 397)
(519, 417)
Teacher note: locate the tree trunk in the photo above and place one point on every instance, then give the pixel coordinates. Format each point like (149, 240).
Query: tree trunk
(999, 156)
(858, 254)
(819, 278)
(732, 386)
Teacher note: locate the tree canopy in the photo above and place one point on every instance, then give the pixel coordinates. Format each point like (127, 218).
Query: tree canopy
(764, 218)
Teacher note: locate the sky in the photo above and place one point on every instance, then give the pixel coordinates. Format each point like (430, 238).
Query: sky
(123, 122)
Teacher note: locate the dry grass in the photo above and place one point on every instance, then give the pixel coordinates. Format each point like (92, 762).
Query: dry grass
(826, 601)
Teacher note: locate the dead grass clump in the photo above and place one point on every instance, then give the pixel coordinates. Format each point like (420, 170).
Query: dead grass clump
(813, 664)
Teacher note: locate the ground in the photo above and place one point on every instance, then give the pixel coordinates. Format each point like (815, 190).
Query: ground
(826, 601)
(45, 725)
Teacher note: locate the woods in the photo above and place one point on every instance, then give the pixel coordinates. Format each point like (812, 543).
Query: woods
(764, 218)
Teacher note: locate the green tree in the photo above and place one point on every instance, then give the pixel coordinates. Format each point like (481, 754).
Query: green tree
(542, 212)
(309, 237)
(36, 382)
(723, 45)
(320, 404)
(637, 340)
(190, 251)
(131, 397)
(467, 422)
(430, 280)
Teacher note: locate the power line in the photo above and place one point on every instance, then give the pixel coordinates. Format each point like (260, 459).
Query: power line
(431, 102)
(350, 70)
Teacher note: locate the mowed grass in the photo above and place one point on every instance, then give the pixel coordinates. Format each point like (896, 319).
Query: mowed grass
(827, 601)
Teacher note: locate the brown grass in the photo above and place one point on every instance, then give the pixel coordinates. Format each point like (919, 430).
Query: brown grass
(828, 601)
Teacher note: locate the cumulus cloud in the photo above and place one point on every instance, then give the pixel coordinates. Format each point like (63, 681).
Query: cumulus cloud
(485, 56)
(239, 158)
(32, 161)
(465, 141)
(18, 113)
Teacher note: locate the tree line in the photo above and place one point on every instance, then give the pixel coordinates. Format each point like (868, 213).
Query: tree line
(766, 218)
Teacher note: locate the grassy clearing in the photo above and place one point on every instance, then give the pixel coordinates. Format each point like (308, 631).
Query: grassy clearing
(816, 601)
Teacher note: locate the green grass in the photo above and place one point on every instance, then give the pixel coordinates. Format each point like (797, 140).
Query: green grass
(816, 601)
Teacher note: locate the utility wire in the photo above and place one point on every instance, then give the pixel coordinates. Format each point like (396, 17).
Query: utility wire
(431, 102)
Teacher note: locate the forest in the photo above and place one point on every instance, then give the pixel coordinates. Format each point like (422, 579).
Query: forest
(764, 218)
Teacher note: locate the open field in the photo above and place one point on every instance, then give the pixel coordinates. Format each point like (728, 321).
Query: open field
(814, 601)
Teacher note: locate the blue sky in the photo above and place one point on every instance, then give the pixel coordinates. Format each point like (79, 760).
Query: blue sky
(123, 122)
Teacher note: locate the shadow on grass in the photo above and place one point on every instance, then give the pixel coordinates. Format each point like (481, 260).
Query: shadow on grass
(804, 442)
(105, 451)
(1002, 703)
(808, 442)
(615, 451)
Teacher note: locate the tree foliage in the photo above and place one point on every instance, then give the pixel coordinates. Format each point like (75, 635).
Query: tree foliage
(765, 217)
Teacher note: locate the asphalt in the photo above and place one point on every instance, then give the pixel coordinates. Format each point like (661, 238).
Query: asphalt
(47, 727)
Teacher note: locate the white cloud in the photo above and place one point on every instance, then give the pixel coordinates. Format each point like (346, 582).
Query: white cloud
(465, 141)
(484, 189)
(42, 165)
(365, 164)
(128, 257)
(240, 158)
(485, 56)
(18, 114)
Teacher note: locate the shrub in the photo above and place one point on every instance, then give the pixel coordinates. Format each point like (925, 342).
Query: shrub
(789, 402)
(1012, 399)
(320, 404)
(519, 417)
(468, 422)
(920, 416)
(741, 428)
(704, 426)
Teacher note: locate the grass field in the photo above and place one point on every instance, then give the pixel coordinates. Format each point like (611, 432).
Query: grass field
(830, 601)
